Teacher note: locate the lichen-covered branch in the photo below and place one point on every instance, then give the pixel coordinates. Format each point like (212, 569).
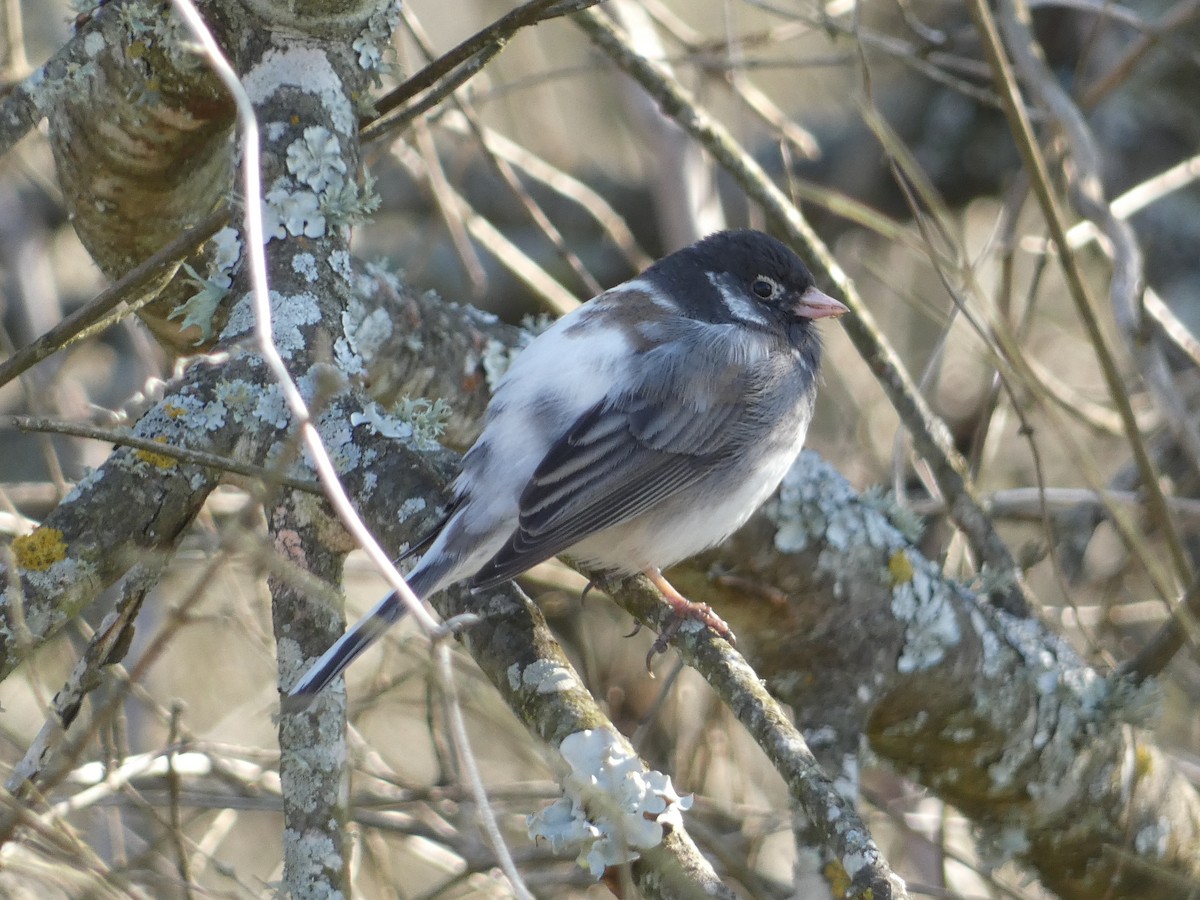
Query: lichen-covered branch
(81, 547)
(855, 855)
(846, 621)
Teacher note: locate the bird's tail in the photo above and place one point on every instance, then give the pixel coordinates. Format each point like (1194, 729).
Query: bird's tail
(360, 636)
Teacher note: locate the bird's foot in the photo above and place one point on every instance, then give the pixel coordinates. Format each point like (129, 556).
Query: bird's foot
(683, 609)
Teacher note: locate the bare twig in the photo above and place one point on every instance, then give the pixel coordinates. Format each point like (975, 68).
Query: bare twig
(564, 184)
(546, 288)
(536, 214)
(471, 54)
(1127, 274)
(183, 454)
(1162, 30)
(683, 182)
(106, 646)
(1029, 503)
(1086, 193)
(135, 289)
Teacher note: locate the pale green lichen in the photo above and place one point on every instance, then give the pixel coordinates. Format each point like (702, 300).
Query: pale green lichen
(316, 158)
(270, 407)
(290, 315)
(409, 508)
(904, 518)
(198, 310)
(369, 483)
(363, 334)
(496, 359)
(225, 251)
(287, 212)
(345, 202)
(1154, 839)
(305, 265)
(537, 323)
(90, 478)
(342, 264)
(548, 677)
(374, 43)
(68, 575)
(93, 43)
(307, 69)
(1064, 702)
(418, 421)
(237, 397)
(923, 604)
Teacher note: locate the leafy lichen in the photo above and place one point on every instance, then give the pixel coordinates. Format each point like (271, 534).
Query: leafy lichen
(612, 806)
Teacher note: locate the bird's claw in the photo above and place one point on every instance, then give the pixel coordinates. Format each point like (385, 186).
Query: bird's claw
(681, 611)
(587, 589)
(455, 625)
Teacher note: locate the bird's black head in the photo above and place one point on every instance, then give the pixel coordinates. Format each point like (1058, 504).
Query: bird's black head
(747, 277)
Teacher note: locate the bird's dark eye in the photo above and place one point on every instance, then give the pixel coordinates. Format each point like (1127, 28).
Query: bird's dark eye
(765, 287)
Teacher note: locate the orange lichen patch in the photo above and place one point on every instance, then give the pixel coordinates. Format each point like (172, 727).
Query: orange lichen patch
(838, 879)
(40, 550)
(1144, 760)
(159, 460)
(173, 411)
(900, 567)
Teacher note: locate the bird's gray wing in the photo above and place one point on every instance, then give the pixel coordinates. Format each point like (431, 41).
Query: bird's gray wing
(617, 460)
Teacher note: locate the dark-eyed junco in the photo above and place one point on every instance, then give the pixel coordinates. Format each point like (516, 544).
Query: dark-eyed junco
(643, 427)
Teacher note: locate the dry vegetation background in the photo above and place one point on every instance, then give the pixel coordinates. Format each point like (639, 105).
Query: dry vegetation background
(870, 95)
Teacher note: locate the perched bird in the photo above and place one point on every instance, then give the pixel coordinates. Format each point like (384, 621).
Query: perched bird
(640, 429)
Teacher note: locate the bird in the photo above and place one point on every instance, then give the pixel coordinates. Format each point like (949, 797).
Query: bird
(641, 428)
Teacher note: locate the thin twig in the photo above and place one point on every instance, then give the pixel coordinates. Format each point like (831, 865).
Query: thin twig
(553, 295)
(174, 813)
(1163, 29)
(93, 315)
(106, 646)
(1084, 182)
(458, 727)
(450, 211)
(1126, 279)
(563, 184)
(460, 102)
(183, 454)
(1030, 503)
(471, 55)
